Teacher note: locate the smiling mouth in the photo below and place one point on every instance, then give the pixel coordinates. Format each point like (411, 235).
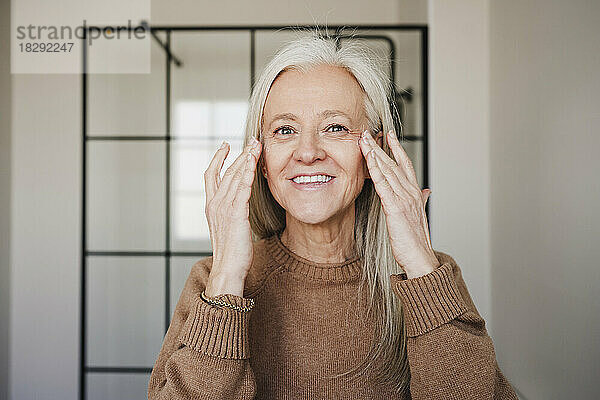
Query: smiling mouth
(315, 179)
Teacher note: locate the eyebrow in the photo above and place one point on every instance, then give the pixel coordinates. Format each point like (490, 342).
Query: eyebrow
(323, 114)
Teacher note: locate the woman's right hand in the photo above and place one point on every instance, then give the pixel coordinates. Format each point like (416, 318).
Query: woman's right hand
(227, 211)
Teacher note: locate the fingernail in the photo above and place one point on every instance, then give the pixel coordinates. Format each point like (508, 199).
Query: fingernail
(364, 134)
(223, 144)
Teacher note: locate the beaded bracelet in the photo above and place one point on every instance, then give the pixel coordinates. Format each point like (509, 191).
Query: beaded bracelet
(226, 304)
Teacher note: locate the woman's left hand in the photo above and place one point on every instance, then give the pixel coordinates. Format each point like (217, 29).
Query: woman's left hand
(403, 203)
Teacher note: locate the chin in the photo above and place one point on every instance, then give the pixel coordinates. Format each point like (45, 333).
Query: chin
(309, 216)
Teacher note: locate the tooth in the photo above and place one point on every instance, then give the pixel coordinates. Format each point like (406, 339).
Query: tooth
(312, 179)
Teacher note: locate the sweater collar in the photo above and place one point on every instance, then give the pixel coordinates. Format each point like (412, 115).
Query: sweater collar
(334, 272)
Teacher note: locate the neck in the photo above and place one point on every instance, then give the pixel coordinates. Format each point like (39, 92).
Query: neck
(331, 241)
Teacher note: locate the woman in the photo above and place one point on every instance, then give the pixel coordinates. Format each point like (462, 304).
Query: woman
(305, 294)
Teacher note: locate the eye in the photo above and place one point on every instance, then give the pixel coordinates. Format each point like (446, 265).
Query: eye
(337, 128)
(284, 129)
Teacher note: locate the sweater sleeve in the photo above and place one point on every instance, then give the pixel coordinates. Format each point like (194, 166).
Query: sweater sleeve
(450, 354)
(205, 352)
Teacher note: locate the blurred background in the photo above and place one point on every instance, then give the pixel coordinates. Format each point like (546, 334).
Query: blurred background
(101, 184)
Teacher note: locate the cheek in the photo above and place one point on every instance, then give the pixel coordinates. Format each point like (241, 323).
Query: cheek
(273, 158)
(352, 162)
(362, 169)
(357, 159)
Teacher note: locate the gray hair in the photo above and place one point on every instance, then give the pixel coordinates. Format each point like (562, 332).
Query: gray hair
(387, 359)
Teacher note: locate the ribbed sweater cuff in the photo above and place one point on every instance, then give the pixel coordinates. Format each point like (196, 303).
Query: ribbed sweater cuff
(429, 300)
(218, 331)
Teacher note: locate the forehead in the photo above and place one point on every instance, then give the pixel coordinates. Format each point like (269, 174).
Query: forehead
(320, 88)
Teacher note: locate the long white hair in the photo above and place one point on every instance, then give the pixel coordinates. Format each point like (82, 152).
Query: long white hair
(386, 361)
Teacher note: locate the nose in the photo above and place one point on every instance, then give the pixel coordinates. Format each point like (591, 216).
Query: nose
(308, 148)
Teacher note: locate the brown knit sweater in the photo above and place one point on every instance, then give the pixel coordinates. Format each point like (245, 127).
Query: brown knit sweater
(308, 323)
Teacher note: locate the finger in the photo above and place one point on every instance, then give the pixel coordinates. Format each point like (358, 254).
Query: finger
(425, 194)
(424, 219)
(402, 157)
(392, 168)
(232, 175)
(245, 185)
(382, 187)
(231, 171)
(400, 188)
(367, 143)
(247, 175)
(212, 175)
(256, 150)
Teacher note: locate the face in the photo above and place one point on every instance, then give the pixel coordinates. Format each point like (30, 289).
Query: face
(311, 125)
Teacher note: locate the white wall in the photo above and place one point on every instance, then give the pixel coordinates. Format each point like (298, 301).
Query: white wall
(459, 98)
(545, 123)
(45, 245)
(271, 12)
(5, 133)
